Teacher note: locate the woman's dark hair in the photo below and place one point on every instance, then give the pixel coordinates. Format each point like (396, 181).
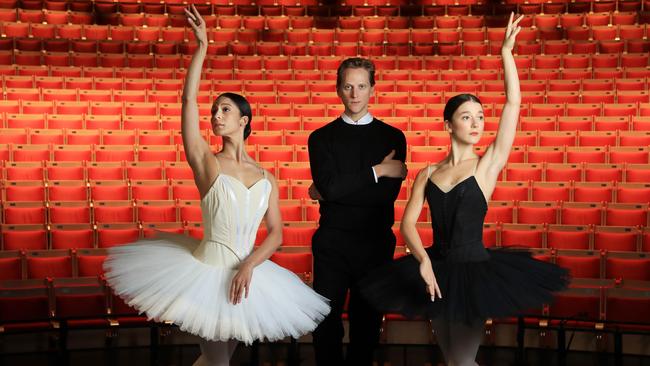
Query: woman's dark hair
(244, 109)
(454, 102)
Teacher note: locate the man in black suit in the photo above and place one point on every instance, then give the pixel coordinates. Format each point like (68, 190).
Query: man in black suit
(357, 165)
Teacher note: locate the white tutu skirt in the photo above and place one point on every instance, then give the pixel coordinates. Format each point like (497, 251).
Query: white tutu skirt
(179, 279)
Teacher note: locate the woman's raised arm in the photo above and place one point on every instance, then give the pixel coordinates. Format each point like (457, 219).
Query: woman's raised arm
(197, 150)
(497, 153)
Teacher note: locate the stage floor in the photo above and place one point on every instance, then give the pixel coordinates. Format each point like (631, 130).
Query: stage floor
(276, 355)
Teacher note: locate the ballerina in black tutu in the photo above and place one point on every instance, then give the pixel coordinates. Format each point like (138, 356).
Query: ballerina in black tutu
(457, 283)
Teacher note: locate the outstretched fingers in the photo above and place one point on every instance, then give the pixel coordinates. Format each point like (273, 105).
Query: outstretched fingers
(516, 27)
(513, 28)
(193, 16)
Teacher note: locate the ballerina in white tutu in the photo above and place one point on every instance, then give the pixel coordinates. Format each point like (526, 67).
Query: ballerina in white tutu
(219, 288)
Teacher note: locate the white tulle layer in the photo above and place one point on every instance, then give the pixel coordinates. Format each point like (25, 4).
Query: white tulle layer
(163, 279)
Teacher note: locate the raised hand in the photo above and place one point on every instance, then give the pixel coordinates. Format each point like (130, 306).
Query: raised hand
(198, 25)
(512, 30)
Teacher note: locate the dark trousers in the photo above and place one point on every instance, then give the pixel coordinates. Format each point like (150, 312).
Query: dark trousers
(341, 259)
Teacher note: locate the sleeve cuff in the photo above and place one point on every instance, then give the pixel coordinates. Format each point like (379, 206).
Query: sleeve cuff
(374, 173)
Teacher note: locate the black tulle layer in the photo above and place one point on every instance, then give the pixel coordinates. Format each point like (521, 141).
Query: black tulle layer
(510, 282)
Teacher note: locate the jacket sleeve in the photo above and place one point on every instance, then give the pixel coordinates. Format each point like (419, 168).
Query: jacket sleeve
(331, 184)
(358, 188)
(385, 191)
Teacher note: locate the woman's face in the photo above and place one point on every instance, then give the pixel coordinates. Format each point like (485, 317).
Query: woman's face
(467, 123)
(226, 118)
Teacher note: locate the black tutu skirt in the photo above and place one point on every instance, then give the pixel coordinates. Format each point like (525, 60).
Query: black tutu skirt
(509, 283)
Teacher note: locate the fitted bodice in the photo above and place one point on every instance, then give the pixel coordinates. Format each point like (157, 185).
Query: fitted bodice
(457, 219)
(232, 213)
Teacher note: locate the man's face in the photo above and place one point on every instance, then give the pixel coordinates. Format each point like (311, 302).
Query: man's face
(355, 92)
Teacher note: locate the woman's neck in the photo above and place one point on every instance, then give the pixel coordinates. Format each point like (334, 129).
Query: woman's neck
(460, 153)
(235, 150)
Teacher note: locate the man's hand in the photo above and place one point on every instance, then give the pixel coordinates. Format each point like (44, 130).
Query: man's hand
(390, 167)
(314, 194)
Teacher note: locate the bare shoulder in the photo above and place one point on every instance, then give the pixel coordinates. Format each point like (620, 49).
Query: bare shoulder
(426, 172)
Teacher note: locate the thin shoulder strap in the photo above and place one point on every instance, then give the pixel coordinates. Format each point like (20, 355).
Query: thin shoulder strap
(428, 171)
(264, 172)
(476, 166)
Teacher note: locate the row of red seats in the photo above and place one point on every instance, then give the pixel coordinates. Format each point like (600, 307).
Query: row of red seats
(120, 146)
(277, 53)
(314, 104)
(595, 103)
(434, 79)
(391, 83)
(279, 130)
(154, 188)
(569, 191)
(298, 126)
(58, 306)
(593, 306)
(539, 173)
(85, 262)
(111, 12)
(543, 163)
(322, 70)
(123, 228)
(300, 56)
(154, 207)
(80, 212)
(88, 263)
(107, 11)
(17, 127)
(36, 153)
(122, 84)
(575, 234)
(554, 44)
(293, 43)
(526, 234)
(81, 171)
(51, 20)
(534, 235)
(585, 182)
(565, 213)
(152, 6)
(301, 22)
(626, 165)
(428, 137)
(623, 183)
(91, 123)
(320, 112)
(135, 52)
(530, 146)
(393, 35)
(9, 122)
(601, 264)
(581, 231)
(123, 150)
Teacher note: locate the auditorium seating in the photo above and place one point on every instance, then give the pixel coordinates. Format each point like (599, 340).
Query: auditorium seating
(92, 156)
